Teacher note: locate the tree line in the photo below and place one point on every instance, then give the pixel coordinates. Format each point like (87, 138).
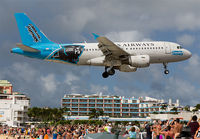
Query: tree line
(46, 115)
(55, 115)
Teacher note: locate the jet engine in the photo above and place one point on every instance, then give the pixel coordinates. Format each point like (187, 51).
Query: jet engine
(127, 68)
(139, 61)
(99, 61)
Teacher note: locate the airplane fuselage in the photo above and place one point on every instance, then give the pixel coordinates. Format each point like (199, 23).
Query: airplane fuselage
(82, 53)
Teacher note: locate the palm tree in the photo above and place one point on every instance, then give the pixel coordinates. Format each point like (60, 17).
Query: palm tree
(34, 113)
(46, 114)
(101, 112)
(197, 106)
(93, 114)
(174, 110)
(163, 107)
(187, 108)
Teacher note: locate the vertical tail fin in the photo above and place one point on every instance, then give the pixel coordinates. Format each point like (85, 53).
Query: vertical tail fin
(29, 32)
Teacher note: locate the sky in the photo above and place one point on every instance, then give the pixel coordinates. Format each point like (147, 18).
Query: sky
(68, 21)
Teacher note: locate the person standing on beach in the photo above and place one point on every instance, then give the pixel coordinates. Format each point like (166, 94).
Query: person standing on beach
(194, 125)
(132, 133)
(177, 127)
(156, 129)
(197, 134)
(148, 130)
(167, 132)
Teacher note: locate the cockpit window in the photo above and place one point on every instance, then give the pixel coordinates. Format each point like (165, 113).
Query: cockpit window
(179, 47)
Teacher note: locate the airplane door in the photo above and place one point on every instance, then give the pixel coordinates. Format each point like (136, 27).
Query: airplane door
(167, 48)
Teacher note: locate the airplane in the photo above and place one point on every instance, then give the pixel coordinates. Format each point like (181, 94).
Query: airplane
(122, 56)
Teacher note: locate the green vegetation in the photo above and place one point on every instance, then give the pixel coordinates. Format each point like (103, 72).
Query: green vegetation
(54, 116)
(164, 107)
(187, 108)
(47, 115)
(94, 113)
(174, 110)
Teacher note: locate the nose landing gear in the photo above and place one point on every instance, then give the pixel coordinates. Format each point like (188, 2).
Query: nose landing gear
(110, 72)
(166, 71)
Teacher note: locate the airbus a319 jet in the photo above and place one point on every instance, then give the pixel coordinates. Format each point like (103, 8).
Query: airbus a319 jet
(122, 56)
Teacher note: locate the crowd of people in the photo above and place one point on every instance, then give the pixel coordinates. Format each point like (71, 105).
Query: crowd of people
(170, 129)
(173, 129)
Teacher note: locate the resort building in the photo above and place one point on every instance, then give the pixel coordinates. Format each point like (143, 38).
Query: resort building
(5, 87)
(13, 106)
(112, 106)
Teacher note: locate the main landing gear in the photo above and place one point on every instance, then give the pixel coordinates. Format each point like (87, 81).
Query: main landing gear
(166, 71)
(110, 72)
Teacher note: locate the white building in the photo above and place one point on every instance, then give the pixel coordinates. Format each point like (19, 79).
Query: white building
(13, 105)
(13, 109)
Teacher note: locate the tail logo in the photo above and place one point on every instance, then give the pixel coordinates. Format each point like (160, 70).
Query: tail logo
(33, 32)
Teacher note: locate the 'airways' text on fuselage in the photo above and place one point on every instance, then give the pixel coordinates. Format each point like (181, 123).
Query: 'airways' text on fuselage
(136, 44)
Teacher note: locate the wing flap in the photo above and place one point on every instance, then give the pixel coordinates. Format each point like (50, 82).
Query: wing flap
(110, 48)
(26, 48)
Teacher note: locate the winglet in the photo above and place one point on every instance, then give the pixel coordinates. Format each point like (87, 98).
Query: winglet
(95, 36)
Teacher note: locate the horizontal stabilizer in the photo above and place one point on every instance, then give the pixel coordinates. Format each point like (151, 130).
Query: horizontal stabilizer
(27, 48)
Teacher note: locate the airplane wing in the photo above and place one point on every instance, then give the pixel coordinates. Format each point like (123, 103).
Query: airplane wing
(108, 48)
(26, 48)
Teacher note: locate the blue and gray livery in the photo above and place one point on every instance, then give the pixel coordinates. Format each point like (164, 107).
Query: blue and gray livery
(35, 43)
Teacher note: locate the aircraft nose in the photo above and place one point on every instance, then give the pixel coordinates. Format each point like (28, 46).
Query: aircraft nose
(188, 53)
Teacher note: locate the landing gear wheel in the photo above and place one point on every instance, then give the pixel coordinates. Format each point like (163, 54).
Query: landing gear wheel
(105, 74)
(166, 71)
(111, 72)
(165, 67)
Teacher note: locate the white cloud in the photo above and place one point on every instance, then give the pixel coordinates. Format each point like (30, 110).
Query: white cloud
(95, 88)
(70, 78)
(188, 21)
(22, 71)
(49, 83)
(181, 89)
(126, 36)
(192, 69)
(186, 40)
(77, 19)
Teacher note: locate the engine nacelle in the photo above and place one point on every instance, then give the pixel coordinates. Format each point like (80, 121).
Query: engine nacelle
(127, 68)
(139, 61)
(99, 61)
